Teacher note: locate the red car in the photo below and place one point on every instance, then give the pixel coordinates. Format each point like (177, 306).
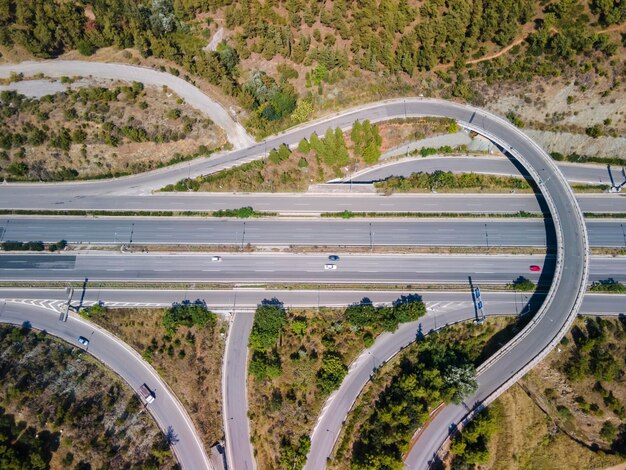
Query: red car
(534, 268)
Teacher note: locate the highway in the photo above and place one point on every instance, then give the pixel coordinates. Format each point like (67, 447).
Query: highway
(259, 268)
(442, 307)
(280, 232)
(574, 173)
(246, 299)
(119, 357)
(64, 197)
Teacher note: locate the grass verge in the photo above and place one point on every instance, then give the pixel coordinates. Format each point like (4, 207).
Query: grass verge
(189, 359)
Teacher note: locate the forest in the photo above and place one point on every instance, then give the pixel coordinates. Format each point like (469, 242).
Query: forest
(329, 39)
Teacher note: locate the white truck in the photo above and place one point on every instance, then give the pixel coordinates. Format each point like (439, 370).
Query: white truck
(146, 393)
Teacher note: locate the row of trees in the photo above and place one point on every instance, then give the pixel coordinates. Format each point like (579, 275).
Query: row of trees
(11, 245)
(270, 319)
(405, 309)
(441, 180)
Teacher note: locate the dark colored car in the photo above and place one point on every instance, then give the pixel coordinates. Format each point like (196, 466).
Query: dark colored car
(534, 268)
(333, 258)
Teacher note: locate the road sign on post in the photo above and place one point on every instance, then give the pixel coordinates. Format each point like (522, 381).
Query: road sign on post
(480, 313)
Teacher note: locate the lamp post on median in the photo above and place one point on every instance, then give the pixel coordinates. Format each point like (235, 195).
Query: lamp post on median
(243, 235)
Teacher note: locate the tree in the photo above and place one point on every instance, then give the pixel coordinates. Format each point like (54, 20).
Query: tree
(471, 445)
(463, 380)
(331, 373)
(523, 284)
(269, 320)
(189, 314)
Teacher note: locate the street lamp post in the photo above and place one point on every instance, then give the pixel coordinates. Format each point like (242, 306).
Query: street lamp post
(486, 236)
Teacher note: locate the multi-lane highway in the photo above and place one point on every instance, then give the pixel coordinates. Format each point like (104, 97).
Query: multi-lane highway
(260, 268)
(67, 197)
(166, 408)
(281, 232)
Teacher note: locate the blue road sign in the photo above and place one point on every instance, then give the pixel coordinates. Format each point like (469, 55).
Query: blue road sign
(477, 292)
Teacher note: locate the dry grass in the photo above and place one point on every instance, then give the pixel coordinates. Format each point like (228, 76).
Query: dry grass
(399, 131)
(288, 405)
(528, 439)
(95, 157)
(191, 367)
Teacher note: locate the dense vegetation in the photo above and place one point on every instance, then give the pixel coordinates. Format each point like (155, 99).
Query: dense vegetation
(437, 368)
(405, 309)
(11, 245)
(592, 355)
(59, 408)
(471, 446)
(609, 285)
(269, 320)
(189, 314)
(298, 358)
(325, 41)
(447, 181)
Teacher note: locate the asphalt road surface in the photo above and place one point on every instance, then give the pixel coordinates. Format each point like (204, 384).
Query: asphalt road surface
(62, 198)
(240, 454)
(246, 299)
(574, 173)
(288, 268)
(166, 408)
(280, 232)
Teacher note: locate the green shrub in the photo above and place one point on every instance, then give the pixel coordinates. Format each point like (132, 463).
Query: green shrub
(269, 321)
(189, 314)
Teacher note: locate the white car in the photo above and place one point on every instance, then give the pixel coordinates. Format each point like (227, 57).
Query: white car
(217, 259)
(330, 266)
(84, 341)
